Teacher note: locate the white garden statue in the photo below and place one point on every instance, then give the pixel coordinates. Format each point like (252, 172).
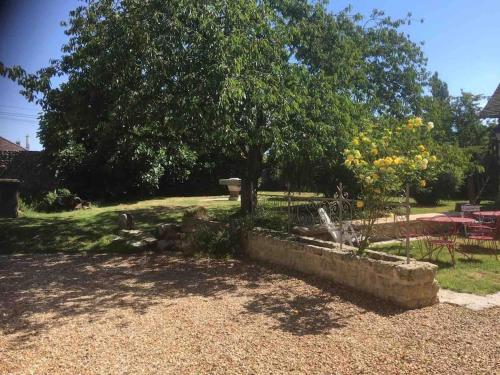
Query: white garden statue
(340, 233)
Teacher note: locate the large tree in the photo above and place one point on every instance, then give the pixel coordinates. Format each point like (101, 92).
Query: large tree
(464, 143)
(152, 84)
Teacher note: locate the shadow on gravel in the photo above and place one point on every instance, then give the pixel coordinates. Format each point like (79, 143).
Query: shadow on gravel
(65, 286)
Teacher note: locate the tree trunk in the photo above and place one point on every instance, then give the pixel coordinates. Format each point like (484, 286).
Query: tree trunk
(248, 196)
(471, 189)
(251, 174)
(253, 169)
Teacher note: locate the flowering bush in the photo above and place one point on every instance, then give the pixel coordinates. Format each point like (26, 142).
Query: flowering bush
(386, 159)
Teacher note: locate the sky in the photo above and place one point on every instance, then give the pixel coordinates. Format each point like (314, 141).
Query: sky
(461, 39)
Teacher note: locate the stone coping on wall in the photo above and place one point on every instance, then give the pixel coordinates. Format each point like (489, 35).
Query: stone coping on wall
(389, 277)
(386, 228)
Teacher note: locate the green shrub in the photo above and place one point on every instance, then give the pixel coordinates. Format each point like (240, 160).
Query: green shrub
(216, 243)
(443, 188)
(25, 206)
(224, 242)
(54, 200)
(448, 178)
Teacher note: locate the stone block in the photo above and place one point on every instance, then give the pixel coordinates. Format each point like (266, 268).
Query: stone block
(9, 197)
(165, 231)
(125, 221)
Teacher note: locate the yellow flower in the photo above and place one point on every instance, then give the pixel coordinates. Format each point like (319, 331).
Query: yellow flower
(418, 157)
(374, 151)
(368, 180)
(430, 125)
(348, 163)
(423, 183)
(397, 160)
(433, 158)
(350, 157)
(418, 121)
(360, 204)
(388, 160)
(355, 142)
(377, 163)
(421, 148)
(357, 154)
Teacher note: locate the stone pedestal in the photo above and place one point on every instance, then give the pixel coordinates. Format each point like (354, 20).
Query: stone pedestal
(9, 197)
(234, 187)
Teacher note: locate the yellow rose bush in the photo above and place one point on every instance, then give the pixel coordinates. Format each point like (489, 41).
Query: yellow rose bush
(385, 159)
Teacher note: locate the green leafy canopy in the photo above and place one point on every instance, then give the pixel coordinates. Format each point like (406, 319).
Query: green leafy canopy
(152, 85)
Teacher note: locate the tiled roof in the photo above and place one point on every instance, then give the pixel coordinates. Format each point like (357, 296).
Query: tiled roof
(6, 145)
(492, 108)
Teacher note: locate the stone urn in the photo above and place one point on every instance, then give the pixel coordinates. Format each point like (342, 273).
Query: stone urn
(234, 187)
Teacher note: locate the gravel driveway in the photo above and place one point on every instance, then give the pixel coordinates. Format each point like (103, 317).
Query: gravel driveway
(165, 314)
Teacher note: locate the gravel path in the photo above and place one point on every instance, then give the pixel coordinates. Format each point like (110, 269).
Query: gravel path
(162, 314)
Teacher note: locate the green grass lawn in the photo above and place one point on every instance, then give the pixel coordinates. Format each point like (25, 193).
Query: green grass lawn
(443, 206)
(95, 229)
(481, 275)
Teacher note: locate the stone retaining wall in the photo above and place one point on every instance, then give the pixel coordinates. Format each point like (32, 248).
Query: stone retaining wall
(385, 276)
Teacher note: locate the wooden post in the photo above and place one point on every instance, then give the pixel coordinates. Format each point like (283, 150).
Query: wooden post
(407, 203)
(289, 208)
(341, 221)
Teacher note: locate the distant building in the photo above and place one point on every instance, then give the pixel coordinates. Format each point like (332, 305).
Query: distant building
(8, 146)
(492, 108)
(8, 150)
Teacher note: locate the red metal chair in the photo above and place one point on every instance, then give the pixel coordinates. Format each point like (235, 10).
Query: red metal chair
(482, 233)
(441, 238)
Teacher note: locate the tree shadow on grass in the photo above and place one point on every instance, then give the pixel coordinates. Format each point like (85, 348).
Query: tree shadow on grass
(38, 292)
(75, 233)
(478, 249)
